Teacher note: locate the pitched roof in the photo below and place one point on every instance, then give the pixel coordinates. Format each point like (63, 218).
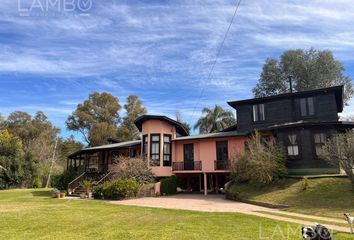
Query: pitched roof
(337, 90)
(179, 127)
(212, 135)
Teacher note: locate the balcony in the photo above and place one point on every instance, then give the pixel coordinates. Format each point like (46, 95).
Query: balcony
(221, 165)
(187, 166)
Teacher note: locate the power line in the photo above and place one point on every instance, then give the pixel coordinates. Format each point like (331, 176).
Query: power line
(216, 58)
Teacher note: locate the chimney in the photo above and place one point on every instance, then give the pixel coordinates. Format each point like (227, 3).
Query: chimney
(290, 77)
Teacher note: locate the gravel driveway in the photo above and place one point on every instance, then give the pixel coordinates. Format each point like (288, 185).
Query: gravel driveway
(218, 203)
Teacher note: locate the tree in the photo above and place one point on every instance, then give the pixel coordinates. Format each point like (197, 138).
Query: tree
(311, 69)
(134, 109)
(262, 162)
(214, 120)
(181, 121)
(98, 111)
(339, 152)
(11, 160)
(100, 133)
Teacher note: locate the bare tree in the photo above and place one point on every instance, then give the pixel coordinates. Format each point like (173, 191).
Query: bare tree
(339, 151)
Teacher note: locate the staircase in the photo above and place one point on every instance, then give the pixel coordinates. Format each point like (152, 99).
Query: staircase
(94, 177)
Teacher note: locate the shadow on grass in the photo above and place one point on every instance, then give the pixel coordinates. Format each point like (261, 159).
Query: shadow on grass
(44, 193)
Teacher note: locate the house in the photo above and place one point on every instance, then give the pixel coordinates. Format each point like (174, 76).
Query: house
(300, 121)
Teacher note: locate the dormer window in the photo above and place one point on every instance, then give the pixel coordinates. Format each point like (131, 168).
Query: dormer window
(258, 112)
(307, 107)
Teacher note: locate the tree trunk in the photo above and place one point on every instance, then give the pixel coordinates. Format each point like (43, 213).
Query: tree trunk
(51, 164)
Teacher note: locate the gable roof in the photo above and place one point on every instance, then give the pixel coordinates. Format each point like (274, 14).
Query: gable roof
(179, 127)
(337, 90)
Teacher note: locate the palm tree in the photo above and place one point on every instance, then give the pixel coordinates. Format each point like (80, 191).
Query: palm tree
(214, 120)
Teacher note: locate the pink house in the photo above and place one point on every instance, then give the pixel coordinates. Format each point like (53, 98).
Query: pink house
(200, 162)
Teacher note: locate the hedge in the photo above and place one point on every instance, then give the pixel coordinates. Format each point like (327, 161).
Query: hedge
(169, 185)
(116, 189)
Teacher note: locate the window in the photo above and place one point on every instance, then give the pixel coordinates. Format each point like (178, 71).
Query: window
(167, 149)
(307, 107)
(115, 156)
(145, 146)
(188, 150)
(293, 147)
(320, 140)
(258, 112)
(155, 150)
(221, 151)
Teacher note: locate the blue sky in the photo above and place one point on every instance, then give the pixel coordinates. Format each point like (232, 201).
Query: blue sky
(159, 50)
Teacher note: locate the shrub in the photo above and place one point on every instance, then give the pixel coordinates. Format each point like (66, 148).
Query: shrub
(304, 184)
(233, 193)
(117, 189)
(61, 181)
(136, 168)
(86, 185)
(169, 185)
(262, 162)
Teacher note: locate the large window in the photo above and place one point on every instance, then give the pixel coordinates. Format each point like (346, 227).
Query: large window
(188, 150)
(145, 146)
(167, 150)
(307, 107)
(320, 140)
(155, 150)
(293, 147)
(258, 112)
(221, 151)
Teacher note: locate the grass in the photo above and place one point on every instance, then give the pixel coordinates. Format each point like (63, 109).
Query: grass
(328, 197)
(32, 214)
(309, 219)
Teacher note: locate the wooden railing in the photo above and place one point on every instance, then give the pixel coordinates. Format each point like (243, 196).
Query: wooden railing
(221, 165)
(185, 166)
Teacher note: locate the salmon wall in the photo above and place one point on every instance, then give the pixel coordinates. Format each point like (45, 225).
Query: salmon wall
(154, 126)
(205, 150)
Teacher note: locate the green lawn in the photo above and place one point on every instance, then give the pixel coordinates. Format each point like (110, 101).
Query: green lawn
(329, 197)
(32, 214)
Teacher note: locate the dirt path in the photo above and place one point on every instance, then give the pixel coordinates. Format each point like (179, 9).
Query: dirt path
(217, 203)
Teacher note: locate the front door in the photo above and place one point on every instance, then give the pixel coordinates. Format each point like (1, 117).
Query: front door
(188, 150)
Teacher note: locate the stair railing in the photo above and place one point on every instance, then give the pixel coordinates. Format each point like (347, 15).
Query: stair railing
(103, 178)
(76, 182)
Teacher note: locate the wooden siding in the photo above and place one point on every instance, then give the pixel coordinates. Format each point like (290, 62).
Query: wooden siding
(287, 110)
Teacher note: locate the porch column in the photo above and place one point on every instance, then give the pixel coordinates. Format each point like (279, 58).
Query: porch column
(188, 183)
(216, 184)
(205, 184)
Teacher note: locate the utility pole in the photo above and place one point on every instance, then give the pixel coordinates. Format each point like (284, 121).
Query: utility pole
(52, 163)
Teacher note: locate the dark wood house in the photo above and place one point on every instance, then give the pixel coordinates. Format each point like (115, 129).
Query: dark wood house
(300, 121)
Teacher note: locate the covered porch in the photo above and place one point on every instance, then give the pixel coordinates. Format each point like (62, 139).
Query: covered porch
(202, 182)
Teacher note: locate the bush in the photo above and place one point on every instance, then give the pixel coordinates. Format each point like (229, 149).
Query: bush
(262, 162)
(233, 193)
(304, 184)
(116, 189)
(169, 185)
(133, 168)
(61, 181)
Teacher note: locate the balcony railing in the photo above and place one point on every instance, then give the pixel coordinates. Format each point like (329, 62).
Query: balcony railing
(221, 165)
(185, 166)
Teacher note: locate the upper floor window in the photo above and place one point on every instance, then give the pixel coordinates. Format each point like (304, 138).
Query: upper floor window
(155, 150)
(258, 112)
(145, 146)
(307, 107)
(320, 140)
(167, 150)
(293, 147)
(221, 151)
